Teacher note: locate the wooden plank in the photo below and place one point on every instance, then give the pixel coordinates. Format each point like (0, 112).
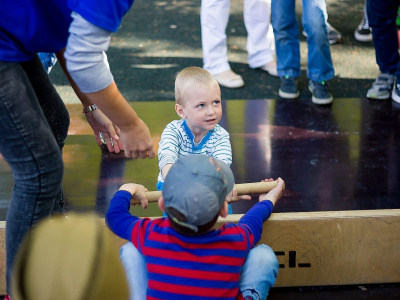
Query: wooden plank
(321, 248)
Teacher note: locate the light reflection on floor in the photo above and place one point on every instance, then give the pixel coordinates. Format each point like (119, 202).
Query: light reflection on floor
(343, 157)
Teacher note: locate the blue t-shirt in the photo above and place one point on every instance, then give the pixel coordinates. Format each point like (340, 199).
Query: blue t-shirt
(31, 26)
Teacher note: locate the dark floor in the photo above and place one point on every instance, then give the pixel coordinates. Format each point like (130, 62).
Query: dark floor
(342, 157)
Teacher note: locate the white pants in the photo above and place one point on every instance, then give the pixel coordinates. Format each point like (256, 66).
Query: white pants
(260, 39)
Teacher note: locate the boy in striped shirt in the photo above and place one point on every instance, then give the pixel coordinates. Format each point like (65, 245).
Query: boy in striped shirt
(198, 104)
(184, 255)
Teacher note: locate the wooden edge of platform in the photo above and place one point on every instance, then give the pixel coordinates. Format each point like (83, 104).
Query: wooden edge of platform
(320, 248)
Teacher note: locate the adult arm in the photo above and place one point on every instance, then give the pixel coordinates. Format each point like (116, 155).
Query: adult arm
(87, 68)
(99, 122)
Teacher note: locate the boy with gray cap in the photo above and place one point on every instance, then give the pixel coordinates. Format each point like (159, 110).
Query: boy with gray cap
(184, 256)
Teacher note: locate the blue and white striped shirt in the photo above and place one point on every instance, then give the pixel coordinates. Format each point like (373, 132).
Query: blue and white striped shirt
(177, 140)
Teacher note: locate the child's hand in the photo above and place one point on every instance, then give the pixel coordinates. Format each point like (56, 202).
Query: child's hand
(138, 192)
(233, 196)
(274, 194)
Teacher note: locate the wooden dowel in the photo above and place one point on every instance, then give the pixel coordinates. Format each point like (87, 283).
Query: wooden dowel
(242, 189)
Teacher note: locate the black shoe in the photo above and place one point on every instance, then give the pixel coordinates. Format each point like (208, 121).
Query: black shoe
(288, 89)
(320, 92)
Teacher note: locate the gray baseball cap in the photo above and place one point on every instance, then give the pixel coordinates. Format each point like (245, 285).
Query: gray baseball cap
(196, 186)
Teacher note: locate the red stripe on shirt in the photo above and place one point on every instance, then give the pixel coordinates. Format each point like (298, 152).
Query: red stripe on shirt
(191, 273)
(192, 290)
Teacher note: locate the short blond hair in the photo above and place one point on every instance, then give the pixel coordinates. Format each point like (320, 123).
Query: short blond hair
(191, 78)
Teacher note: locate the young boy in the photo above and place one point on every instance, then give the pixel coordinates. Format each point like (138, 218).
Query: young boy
(198, 103)
(184, 256)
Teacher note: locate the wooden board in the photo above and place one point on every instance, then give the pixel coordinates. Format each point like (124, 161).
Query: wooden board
(321, 248)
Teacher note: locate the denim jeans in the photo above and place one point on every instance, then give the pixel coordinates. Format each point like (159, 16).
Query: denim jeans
(257, 277)
(33, 126)
(382, 16)
(287, 43)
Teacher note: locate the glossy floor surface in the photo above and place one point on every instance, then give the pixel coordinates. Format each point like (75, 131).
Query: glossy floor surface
(342, 157)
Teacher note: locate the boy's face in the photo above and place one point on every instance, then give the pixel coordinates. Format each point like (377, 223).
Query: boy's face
(201, 109)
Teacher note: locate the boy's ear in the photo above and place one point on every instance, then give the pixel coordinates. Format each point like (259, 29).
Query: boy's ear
(161, 204)
(179, 111)
(224, 210)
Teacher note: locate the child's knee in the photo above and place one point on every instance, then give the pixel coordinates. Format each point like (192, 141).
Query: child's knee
(127, 252)
(264, 257)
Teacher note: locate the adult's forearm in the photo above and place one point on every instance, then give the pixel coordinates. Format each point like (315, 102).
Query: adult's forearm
(114, 106)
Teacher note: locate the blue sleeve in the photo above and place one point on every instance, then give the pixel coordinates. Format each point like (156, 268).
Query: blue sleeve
(256, 216)
(118, 218)
(105, 14)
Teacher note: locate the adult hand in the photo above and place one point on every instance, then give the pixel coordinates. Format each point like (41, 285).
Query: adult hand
(137, 140)
(102, 125)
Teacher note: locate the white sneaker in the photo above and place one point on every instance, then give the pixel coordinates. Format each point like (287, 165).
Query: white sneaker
(363, 32)
(270, 68)
(229, 79)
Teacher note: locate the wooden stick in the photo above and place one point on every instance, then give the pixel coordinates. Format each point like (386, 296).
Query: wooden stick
(242, 189)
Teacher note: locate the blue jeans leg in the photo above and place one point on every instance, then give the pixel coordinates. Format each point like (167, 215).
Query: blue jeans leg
(135, 269)
(319, 60)
(382, 16)
(286, 31)
(33, 126)
(259, 273)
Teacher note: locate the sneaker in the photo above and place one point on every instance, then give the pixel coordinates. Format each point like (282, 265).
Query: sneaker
(229, 79)
(270, 68)
(334, 35)
(288, 89)
(7, 297)
(363, 32)
(396, 92)
(381, 87)
(320, 92)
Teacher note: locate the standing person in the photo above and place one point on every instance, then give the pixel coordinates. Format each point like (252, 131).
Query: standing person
(33, 118)
(319, 61)
(198, 103)
(382, 17)
(184, 255)
(260, 46)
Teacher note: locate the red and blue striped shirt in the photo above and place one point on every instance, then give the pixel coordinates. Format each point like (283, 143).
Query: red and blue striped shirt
(203, 266)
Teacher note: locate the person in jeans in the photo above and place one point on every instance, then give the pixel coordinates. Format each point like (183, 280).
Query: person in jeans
(319, 62)
(185, 255)
(382, 17)
(33, 118)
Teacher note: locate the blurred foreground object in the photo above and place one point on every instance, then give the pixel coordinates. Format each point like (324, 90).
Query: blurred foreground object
(69, 258)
